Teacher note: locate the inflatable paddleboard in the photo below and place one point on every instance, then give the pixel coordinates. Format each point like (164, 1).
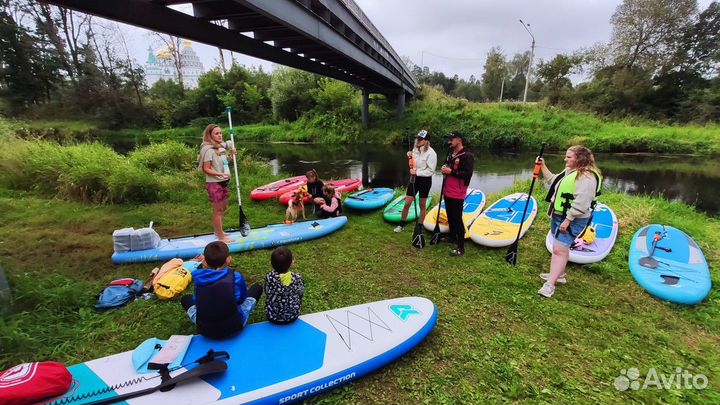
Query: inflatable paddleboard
(676, 270)
(606, 226)
(393, 211)
(369, 199)
(472, 207)
(259, 238)
(277, 188)
(498, 225)
(342, 186)
(276, 364)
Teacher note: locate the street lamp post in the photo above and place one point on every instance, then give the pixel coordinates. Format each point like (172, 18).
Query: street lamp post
(532, 53)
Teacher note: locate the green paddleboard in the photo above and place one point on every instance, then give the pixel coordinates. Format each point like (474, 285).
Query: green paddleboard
(393, 211)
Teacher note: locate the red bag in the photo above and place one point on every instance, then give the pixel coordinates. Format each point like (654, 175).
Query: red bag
(28, 383)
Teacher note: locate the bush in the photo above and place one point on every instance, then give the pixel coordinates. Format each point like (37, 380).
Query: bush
(164, 157)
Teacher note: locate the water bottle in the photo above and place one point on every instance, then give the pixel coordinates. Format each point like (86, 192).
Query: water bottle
(226, 167)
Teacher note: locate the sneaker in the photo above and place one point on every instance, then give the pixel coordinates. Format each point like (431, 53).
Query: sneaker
(560, 280)
(399, 228)
(456, 252)
(547, 290)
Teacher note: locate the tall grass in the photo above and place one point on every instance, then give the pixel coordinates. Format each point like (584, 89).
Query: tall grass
(94, 173)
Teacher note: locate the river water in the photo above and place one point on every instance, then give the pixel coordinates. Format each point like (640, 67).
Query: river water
(694, 180)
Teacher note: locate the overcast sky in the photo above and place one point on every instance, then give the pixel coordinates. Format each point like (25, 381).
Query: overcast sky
(454, 36)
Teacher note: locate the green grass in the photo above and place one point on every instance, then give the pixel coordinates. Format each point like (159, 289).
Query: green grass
(496, 340)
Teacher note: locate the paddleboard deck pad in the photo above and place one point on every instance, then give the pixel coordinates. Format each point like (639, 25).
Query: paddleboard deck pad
(498, 225)
(393, 211)
(606, 226)
(676, 271)
(274, 364)
(369, 199)
(472, 207)
(258, 238)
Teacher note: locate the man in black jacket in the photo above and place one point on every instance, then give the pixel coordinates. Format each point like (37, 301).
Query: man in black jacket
(459, 169)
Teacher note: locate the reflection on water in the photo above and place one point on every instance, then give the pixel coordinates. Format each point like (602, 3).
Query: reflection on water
(692, 180)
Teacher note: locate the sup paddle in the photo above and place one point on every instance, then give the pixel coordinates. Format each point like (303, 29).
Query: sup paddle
(435, 238)
(512, 252)
(418, 237)
(649, 261)
(244, 225)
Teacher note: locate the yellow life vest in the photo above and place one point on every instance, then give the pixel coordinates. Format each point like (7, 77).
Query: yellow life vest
(563, 190)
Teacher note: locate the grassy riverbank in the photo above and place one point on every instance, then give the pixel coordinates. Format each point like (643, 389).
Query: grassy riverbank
(504, 126)
(496, 340)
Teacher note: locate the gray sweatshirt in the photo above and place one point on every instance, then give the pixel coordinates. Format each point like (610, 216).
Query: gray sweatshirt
(585, 187)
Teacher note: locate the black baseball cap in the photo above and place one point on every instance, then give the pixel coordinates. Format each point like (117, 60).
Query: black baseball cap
(456, 134)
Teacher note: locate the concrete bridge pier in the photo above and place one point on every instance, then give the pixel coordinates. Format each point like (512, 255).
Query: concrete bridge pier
(365, 108)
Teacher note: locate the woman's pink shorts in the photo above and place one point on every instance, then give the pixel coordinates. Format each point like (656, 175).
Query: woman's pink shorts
(218, 192)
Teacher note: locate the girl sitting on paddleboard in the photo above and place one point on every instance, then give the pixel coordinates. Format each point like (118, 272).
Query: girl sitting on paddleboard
(571, 194)
(330, 203)
(215, 165)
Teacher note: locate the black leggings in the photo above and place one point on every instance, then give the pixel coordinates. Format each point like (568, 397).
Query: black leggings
(454, 209)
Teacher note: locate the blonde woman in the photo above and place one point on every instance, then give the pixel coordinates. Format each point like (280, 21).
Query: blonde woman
(215, 165)
(425, 161)
(571, 194)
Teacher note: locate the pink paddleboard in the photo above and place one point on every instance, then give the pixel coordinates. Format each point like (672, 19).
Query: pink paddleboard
(342, 186)
(277, 188)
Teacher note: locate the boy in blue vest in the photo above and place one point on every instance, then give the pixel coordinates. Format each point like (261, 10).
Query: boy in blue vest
(222, 303)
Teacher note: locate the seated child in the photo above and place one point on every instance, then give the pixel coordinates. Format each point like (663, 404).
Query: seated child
(314, 187)
(222, 303)
(283, 289)
(330, 203)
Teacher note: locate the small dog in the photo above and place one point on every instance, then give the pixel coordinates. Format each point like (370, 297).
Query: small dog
(296, 205)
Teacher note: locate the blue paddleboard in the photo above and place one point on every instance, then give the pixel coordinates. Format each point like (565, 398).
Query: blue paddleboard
(676, 270)
(259, 238)
(274, 364)
(369, 199)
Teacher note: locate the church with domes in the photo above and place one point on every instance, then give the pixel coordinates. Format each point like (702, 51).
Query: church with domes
(159, 65)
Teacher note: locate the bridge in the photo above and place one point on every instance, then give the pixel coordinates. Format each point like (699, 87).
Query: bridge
(333, 38)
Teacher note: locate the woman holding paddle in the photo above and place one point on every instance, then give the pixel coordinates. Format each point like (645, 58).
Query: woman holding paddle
(214, 163)
(421, 172)
(571, 195)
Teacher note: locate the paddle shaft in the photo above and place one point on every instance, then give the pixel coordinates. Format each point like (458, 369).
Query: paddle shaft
(511, 255)
(242, 219)
(436, 231)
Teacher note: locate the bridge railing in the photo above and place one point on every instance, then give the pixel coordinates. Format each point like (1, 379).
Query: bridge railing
(365, 21)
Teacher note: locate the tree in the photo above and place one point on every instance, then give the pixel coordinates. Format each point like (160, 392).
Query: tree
(27, 75)
(554, 74)
(496, 70)
(291, 93)
(646, 32)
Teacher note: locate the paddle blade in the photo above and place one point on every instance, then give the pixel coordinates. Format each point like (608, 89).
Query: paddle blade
(512, 254)
(244, 224)
(649, 262)
(418, 238)
(435, 237)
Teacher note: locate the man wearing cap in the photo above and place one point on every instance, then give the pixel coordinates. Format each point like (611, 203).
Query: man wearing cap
(425, 161)
(459, 169)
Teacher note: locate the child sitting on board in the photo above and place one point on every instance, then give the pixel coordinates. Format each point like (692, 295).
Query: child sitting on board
(330, 203)
(283, 289)
(222, 303)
